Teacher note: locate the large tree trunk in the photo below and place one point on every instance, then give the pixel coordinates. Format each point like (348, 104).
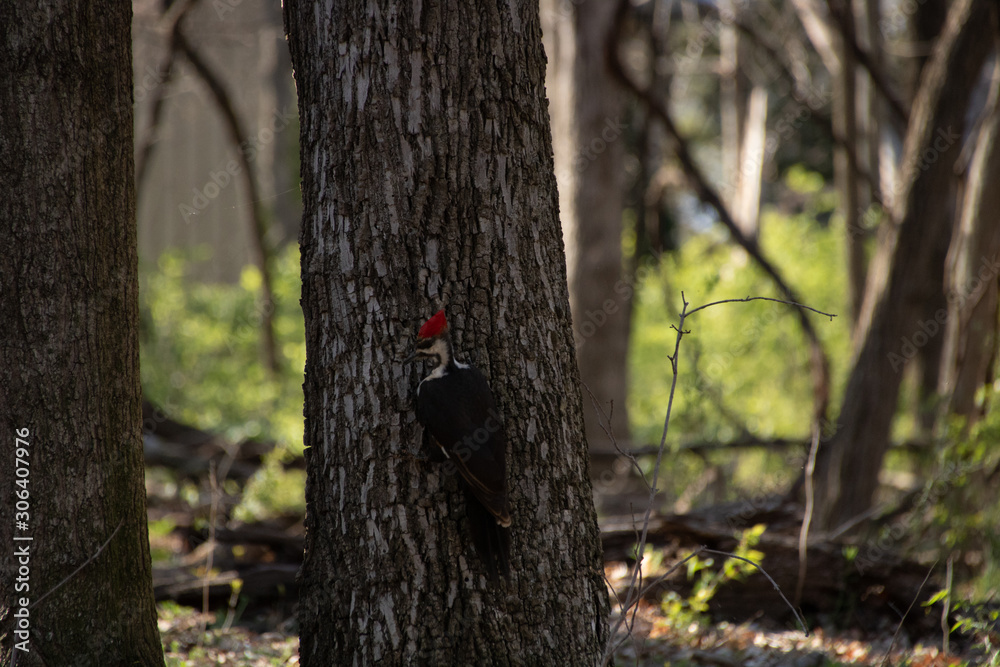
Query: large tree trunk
(69, 380)
(906, 272)
(588, 137)
(428, 181)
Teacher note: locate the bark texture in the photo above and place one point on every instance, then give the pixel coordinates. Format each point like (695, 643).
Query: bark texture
(907, 271)
(69, 341)
(428, 181)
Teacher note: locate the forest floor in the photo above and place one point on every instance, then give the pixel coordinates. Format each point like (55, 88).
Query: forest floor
(190, 640)
(255, 564)
(657, 642)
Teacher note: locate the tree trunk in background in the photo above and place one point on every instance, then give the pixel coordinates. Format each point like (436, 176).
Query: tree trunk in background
(974, 262)
(871, 128)
(845, 127)
(831, 29)
(740, 169)
(588, 137)
(69, 343)
(746, 207)
(428, 181)
(905, 272)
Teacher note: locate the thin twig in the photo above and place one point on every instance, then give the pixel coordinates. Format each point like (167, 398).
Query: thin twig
(642, 593)
(85, 563)
(210, 559)
(632, 598)
(798, 617)
(903, 618)
(635, 585)
(945, 625)
(762, 298)
(673, 569)
(810, 492)
(604, 420)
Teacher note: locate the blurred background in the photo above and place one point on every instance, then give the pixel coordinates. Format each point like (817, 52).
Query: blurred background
(842, 153)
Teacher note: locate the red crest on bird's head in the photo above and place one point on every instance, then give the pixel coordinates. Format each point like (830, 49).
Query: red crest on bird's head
(434, 326)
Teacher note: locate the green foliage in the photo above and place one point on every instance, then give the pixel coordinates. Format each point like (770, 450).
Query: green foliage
(693, 612)
(160, 528)
(202, 363)
(744, 364)
(982, 624)
(273, 490)
(963, 501)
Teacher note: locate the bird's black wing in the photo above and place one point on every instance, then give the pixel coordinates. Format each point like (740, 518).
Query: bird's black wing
(459, 412)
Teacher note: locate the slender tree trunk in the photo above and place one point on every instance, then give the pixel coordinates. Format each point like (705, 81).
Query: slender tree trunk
(75, 572)
(845, 126)
(974, 264)
(588, 132)
(732, 109)
(428, 181)
(750, 178)
(906, 271)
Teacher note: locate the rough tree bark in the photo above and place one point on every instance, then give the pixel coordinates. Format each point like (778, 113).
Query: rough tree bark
(428, 181)
(69, 381)
(906, 271)
(587, 128)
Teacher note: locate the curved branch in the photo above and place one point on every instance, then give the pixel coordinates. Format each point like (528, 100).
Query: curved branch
(173, 18)
(259, 228)
(819, 361)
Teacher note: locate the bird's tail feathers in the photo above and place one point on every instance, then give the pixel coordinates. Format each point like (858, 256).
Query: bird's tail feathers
(492, 541)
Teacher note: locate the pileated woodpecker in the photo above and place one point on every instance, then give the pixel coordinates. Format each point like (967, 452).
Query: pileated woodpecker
(456, 407)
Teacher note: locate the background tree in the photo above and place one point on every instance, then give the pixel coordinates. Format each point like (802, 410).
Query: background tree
(908, 269)
(69, 341)
(428, 181)
(588, 127)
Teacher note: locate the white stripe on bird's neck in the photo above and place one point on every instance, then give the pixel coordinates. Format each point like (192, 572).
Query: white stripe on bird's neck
(441, 349)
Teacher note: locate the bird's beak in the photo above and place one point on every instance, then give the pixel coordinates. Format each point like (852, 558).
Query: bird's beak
(412, 357)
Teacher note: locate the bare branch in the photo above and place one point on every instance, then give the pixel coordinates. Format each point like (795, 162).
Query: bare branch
(795, 611)
(807, 516)
(762, 298)
(604, 419)
(173, 17)
(636, 589)
(899, 627)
